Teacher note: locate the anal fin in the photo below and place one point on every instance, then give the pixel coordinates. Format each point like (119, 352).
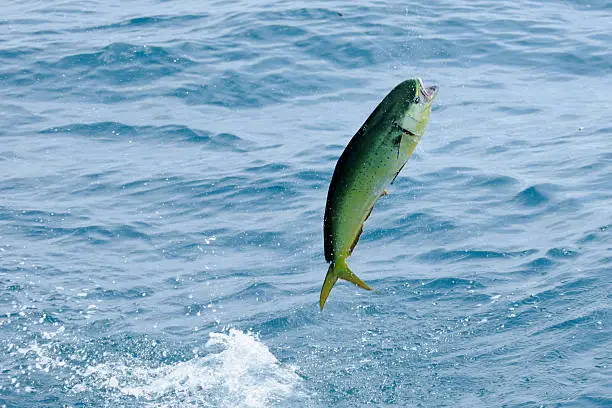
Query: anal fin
(356, 240)
(350, 251)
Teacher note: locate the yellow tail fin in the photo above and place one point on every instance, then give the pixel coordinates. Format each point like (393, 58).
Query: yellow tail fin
(338, 270)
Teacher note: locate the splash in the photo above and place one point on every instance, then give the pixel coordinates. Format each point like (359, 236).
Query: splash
(235, 369)
(243, 374)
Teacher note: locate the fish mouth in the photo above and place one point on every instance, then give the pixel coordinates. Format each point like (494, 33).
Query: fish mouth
(427, 93)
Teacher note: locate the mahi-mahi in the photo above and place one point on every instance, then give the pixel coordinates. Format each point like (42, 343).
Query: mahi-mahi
(372, 159)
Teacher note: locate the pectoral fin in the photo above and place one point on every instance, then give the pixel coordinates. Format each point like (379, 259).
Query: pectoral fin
(398, 172)
(397, 142)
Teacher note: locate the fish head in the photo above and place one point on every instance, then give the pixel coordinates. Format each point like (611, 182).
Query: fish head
(411, 104)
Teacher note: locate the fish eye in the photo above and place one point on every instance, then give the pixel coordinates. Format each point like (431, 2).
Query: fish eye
(417, 100)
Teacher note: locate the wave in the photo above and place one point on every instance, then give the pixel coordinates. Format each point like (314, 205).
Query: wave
(113, 131)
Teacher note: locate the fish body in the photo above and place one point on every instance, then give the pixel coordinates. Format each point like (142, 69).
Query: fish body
(372, 159)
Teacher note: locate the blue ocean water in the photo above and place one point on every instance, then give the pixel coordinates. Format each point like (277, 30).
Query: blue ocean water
(164, 168)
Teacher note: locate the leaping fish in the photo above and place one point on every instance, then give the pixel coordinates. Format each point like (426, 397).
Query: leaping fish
(372, 159)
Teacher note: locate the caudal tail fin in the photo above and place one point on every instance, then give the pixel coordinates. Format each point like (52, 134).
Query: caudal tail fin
(338, 270)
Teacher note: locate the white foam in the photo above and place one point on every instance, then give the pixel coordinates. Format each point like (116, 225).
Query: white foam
(235, 370)
(243, 374)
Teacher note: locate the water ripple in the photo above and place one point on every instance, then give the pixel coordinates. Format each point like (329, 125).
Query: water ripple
(165, 173)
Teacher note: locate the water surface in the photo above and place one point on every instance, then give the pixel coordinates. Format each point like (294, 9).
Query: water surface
(164, 172)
